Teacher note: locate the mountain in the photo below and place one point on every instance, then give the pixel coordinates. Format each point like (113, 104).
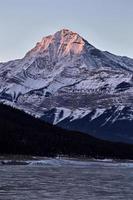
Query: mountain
(66, 81)
(25, 135)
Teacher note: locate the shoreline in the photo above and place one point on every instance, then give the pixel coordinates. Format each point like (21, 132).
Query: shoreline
(23, 159)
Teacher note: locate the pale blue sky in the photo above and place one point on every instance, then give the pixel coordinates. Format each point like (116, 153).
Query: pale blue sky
(107, 24)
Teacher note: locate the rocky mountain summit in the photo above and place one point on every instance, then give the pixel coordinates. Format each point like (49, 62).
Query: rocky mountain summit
(66, 81)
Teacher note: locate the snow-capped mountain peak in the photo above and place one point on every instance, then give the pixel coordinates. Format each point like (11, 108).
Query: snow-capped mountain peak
(67, 81)
(62, 43)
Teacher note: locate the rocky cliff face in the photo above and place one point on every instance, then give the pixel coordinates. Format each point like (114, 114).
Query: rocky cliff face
(67, 81)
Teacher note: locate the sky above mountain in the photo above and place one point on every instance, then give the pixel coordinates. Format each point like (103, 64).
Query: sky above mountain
(105, 24)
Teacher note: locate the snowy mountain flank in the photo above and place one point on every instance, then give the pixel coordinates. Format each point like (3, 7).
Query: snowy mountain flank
(66, 81)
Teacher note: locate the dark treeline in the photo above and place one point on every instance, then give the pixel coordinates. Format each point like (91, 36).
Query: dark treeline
(21, 133)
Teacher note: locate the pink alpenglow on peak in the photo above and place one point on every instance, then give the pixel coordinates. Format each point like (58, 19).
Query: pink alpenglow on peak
(72, 42)
(62, 43)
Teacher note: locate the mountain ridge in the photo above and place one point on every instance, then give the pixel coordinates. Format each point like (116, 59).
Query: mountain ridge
(22, 134)
(67, 81)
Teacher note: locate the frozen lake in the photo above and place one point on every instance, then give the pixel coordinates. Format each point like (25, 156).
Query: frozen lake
(63, 179)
